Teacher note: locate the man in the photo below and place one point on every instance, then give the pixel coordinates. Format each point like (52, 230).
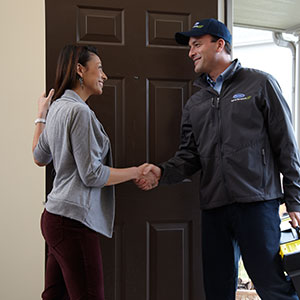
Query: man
(236, 129)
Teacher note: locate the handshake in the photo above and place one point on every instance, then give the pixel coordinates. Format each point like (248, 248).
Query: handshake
(148, 176)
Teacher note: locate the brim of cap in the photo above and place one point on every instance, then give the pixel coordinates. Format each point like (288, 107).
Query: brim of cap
(184, 37)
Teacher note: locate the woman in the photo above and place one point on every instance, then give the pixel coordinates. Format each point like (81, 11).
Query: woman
(81, 203)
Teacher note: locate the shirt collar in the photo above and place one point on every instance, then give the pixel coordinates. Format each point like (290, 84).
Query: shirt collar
(222, 77)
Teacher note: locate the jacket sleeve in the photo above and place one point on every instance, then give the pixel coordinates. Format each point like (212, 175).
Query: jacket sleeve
(186, 160)
(87, 148)
(283, 142)
(42, 151)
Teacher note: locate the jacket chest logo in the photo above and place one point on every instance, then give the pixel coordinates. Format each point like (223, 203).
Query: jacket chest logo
(240, 97)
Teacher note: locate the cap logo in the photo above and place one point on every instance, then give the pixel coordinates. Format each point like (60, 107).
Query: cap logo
(198, 25)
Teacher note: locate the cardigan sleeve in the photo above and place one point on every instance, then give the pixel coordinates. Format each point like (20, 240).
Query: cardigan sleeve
(42, 151)
(88, 144)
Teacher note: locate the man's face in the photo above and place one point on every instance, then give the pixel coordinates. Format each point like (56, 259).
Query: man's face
(203, 52)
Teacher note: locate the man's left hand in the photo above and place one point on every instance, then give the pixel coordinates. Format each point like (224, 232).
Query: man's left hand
(295, 218)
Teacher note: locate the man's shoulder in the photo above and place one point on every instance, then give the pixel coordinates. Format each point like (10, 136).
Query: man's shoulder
(254, 73)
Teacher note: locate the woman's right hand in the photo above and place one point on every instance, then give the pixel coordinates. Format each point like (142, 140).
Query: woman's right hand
(147, 178)
(44, 103)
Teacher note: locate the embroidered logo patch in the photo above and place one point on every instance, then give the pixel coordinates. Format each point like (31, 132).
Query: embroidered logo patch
(198, 25)
(240, 97)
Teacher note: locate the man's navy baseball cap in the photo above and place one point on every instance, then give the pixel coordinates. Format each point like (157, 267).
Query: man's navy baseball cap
(206, 26)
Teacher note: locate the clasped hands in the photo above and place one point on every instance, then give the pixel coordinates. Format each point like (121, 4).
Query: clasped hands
(149, 176)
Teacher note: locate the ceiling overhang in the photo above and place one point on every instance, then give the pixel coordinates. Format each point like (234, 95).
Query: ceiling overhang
(274, 15)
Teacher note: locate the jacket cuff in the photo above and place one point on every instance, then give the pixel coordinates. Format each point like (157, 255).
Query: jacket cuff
(292, 207)
(161, 179)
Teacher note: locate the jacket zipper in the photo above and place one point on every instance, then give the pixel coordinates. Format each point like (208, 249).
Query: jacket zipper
(219, 126)
(217, 106)
(263, 154)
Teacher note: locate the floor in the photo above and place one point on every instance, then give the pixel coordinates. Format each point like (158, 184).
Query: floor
(247, 295)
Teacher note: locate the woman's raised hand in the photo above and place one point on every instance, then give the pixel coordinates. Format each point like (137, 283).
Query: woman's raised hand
(44, 103)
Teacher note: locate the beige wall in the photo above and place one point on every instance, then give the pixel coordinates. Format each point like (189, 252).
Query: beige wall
(22, 79)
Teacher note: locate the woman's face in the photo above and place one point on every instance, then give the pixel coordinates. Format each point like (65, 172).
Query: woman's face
(93, 76)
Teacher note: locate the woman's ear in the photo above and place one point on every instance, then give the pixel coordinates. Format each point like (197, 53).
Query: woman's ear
(80, 69)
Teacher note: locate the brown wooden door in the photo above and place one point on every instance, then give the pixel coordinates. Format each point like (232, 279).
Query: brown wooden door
(155, 253)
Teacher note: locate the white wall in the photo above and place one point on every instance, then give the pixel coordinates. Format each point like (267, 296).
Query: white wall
(22, 78)
(256, 49)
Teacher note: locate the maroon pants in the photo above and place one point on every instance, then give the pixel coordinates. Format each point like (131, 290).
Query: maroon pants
(74, 263)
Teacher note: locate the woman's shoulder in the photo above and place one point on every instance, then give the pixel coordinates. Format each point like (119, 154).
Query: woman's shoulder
(71, 107)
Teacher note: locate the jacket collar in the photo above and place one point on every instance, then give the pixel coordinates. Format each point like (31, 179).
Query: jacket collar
(202, 82)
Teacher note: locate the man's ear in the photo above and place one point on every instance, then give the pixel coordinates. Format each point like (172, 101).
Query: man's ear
(80, 69)
(220, 45)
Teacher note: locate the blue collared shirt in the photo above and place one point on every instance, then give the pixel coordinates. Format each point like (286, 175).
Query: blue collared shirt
(217, 85)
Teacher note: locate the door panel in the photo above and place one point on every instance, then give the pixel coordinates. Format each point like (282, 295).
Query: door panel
(168, 244)
(165, 100)
(155, 253)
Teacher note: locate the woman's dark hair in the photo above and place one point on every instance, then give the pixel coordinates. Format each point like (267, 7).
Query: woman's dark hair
(227, 45)
(66, 70)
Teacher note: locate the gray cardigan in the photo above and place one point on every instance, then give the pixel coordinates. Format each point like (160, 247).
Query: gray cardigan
(76, 141)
